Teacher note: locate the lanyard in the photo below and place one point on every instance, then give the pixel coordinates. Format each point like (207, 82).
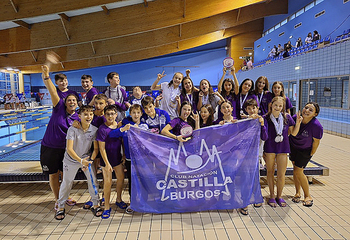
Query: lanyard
(189, 97)
(261, 96)
(205, 99)
(240, 100)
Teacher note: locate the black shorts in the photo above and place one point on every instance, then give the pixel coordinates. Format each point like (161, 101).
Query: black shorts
(300, 157)
(51, 159)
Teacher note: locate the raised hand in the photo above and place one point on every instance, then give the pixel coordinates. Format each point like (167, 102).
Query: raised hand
(233, 70)
(159, 97)
(200, 94)
(299, 117)
(224, 70)
(45, 70)
(161, 75)
(188, 71)
(195, 116)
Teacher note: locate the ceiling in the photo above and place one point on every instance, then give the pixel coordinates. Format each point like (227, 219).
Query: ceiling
(94, 33)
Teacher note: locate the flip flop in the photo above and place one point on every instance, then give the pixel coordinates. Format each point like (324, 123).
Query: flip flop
(121, 205)
(88, 205)
(308, 203)
(97, 210)
(257, 205)
(243, 211)
(296, 199)
(281, 202)
(102, 202)
(71, 202)
(60, 214)
(106, 213)
(272, 202)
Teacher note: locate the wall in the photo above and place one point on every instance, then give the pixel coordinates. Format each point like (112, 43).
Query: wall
(333, 60)
(203, 64)
(293, 6)
(336, 13)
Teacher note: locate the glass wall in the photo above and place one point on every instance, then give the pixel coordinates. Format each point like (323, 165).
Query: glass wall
(332, 92)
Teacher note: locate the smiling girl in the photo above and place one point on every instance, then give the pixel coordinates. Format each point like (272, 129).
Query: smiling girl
(227, 114)
(245, 93)
(303, 146)
(206, 115)
(187, 117)
(278, 90)
(54, 141)
(187, 90)
(171, 91)
(206, 95)
(229, 89)
(279, 125)
(263, 95)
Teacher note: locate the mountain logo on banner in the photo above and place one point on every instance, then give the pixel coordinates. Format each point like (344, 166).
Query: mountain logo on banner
(197, 177)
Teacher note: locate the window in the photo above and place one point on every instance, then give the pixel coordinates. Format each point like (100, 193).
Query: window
(309, 6)
(318, 1)
(298, 13)
(283, 22)
(291, 17)
(333, 92)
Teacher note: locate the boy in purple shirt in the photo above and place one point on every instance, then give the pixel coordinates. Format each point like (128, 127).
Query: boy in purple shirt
(62, 87)
(91, 92)
(110, 149)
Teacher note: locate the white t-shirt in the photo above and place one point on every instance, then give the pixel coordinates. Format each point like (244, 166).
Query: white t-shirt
(169, 103)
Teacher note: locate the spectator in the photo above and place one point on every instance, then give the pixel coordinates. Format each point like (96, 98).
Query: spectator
(298, 43)
(308, 39)
(272, 52)
(250, 64)
(287, 47)
(280, 49)
(316, 36)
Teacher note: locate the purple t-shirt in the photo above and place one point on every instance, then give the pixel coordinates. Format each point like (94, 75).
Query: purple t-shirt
(112, 145)
(304, 138)
(266, 98)
(288, 104)
(56, 131)
(281, 147)
(63, 95)
(97, 121)
(189, 98)
(238, 103)
(90, 95)
(177, 124)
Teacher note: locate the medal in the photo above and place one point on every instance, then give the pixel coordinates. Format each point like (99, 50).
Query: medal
(241, 112)
(279, 138)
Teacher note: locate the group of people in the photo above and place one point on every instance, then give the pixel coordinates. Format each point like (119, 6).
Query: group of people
(95, 134)
(14, 101)
(276, 51)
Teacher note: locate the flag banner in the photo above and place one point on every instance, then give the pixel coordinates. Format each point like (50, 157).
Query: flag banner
(217, 169)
